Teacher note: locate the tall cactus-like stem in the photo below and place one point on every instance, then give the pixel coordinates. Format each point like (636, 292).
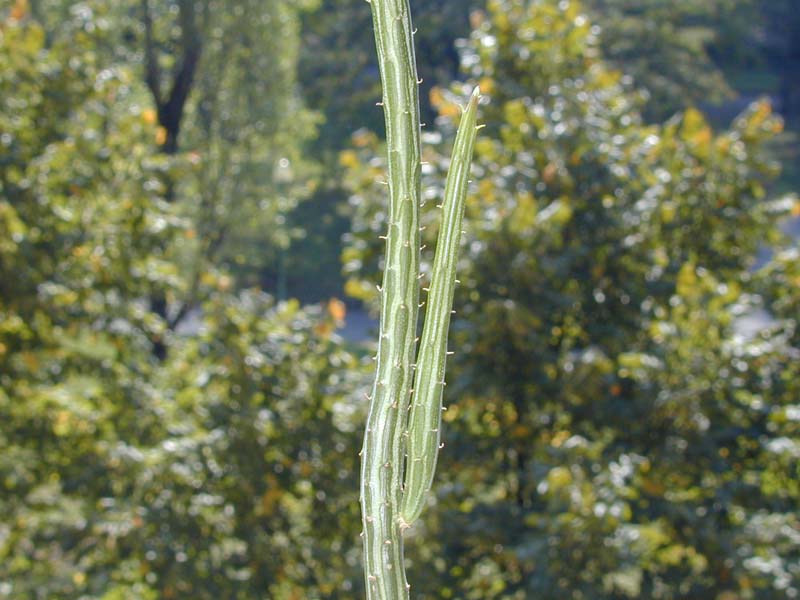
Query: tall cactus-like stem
(383, 450)
(387, 510)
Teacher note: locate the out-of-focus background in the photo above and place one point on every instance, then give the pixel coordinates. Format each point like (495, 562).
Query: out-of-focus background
(189, 217)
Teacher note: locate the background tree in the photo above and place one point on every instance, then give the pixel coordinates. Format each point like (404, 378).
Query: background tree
(669, 47)
(223, 81)
(600, 444)
(125, 476)
(224, 73)
(682, 53)
(83, 225)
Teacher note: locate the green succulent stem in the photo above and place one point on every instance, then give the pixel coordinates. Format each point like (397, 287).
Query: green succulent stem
(383, 450)
(387, 510)
(425, 420)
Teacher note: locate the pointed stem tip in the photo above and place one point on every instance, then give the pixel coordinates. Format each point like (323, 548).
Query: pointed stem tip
(476, 95)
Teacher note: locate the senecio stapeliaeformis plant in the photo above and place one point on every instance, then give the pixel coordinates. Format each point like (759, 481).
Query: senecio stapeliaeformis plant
(402, 441)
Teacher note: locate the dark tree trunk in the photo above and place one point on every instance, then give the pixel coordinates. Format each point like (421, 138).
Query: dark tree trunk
(170, 110)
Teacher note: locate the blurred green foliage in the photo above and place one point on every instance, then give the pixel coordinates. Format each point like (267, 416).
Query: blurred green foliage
(681, 52)
(616, 429)
(122, 475)
(612, 432)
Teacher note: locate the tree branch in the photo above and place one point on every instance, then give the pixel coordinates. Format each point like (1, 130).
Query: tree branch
(152, 74)
(171, 111)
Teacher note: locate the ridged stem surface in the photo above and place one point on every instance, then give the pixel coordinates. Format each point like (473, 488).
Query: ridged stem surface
(425, 420)
(384, 447)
